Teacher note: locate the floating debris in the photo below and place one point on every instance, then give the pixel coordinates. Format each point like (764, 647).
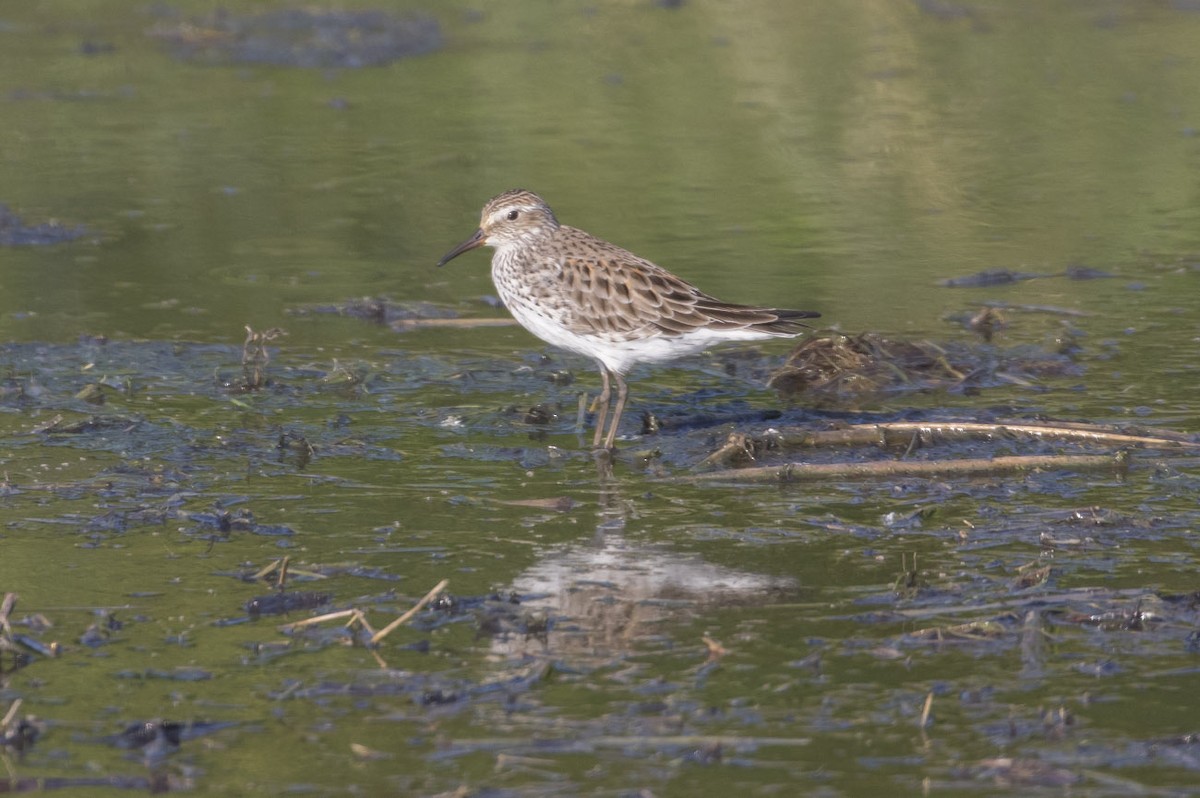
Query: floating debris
(300, 38)
(284, 603)
(18, 650)
(987, 322)
(255, 357)
(1079, 271)
(14, 232)
(1009, 772)
(158, 739)
(988, 277)
(224, 522)
(19, 732)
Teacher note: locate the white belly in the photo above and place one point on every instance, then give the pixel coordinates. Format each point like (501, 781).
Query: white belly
(621, 355)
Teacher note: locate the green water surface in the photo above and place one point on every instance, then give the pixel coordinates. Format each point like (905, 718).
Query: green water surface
(836, 156)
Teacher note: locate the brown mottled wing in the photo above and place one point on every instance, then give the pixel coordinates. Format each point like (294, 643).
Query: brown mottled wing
(620, 296)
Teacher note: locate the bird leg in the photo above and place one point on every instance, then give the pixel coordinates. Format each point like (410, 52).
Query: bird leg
(601, 405)
(622, 395)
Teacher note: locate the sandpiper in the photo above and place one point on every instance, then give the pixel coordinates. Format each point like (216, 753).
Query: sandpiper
(585, 295)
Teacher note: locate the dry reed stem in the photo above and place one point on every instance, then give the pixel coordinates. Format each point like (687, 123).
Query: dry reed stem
(809, 472)
(901, 431)
(329, 616)
(430, 596)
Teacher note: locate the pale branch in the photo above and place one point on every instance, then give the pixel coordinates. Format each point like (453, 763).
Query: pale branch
(811, 472)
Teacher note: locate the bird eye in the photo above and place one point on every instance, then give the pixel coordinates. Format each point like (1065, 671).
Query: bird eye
(512, 215)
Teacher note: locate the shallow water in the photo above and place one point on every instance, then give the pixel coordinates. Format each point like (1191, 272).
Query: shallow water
(840, 157)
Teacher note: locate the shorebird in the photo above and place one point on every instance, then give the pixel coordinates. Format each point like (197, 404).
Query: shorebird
(585, 295)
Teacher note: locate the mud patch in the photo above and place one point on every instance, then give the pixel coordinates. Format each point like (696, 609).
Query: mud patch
(850, 371)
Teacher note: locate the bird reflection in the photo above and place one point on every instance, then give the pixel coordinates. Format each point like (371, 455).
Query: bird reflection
(603, 596)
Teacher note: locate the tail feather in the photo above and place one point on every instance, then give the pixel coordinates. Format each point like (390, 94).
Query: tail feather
(768, 320)
(796, 314)
(788, 321)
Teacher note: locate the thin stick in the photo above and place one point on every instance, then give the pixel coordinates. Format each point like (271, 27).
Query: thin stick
(430, 596)
(360, 619)
(6, 608)
(925, 712)
(266, 569)
(901, 432)
(809, 472)
(11, 714)
(329, 616)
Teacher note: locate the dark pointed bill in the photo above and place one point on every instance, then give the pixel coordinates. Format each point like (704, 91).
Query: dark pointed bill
(471, 243)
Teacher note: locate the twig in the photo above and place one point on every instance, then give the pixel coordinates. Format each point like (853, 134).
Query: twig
(329, 616)
(256, 356)
(11, 714)
(900, 433)
(715, 649)
(6, 608)
(430, 596)
(266, 569)
(361, 619)
(808, 472)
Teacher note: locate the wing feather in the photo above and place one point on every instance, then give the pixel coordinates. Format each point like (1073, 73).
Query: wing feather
(619, 296)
